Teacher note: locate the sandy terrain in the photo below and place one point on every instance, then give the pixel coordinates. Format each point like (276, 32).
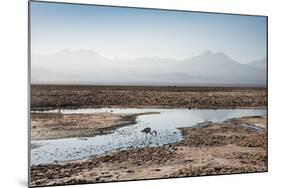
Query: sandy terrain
(55, 125)
(51, 96)
(234, 146)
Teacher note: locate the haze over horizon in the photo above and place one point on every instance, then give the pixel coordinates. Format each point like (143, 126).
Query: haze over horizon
(72, 43)
(89, 67)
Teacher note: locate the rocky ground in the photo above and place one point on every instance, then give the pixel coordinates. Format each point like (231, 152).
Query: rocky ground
(59, 96)
(233, 146)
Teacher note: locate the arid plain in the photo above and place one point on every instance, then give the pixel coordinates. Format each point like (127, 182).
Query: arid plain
(235, 145)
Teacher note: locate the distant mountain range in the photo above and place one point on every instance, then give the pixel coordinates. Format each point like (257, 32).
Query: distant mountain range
(259, 64)
(89, 67)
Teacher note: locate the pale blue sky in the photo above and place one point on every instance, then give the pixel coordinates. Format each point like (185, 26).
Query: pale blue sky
(131, 33)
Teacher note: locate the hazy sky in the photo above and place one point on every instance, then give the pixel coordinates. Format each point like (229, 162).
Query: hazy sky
(131, 33)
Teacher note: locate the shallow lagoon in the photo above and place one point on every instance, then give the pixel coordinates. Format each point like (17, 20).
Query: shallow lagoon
(165, 123)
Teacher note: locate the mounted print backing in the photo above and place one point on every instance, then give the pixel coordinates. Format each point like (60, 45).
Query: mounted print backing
(120, 93)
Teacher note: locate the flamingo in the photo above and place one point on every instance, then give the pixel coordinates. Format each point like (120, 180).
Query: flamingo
(148, 130)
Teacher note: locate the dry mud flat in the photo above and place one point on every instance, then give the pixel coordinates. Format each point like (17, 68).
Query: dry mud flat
(55, 126)
(233, 146)
(71, 96)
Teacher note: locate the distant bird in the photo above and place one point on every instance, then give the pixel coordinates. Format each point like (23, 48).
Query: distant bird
(59, 116)
(148, 130)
